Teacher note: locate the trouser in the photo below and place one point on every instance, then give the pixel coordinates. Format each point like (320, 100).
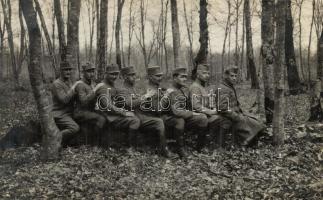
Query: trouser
(95, 120)
(198, 123)
(155, 125)
(67, 126)
(130, 125)
(219, 128)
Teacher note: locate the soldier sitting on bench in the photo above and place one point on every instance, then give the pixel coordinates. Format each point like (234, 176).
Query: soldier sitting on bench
(85, 101)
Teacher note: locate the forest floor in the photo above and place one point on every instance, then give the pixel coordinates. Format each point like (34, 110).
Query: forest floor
(294, 171)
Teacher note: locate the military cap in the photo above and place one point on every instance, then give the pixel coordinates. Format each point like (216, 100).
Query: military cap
(65, 65)
(112, 68)
(87, 66)
(154, 70)
(203, 67)
(128, 70)
(231, 68)
(180, 70)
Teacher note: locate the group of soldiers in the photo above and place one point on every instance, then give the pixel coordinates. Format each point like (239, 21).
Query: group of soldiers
(179, 108)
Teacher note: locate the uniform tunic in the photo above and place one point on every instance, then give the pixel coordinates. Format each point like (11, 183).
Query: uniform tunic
(63, 104)
(106, 96)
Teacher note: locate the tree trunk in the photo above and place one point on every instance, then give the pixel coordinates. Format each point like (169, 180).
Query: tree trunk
(48, 40)
(130, 30)
(320, 57)
(60, 29)
(52, 137)
(102, 45)
(2, 31)
(22, 50)
(250, 57)
(292, 72)
(117, 32)
(201, 56)
(241, 75)
(7, 18)
(72, 51)
(267, 52)
(309, 44)
(279, 72)
(236, 49)
(189, 35)
(301, 66)
(164, 37)
(175, 32)
(228, 24)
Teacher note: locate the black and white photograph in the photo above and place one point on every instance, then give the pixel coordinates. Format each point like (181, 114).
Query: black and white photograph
(161, 99)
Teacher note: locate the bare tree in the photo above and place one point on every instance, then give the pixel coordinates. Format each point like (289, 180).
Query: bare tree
(102, 40)
(7, 18)
(279, 66)
(227, 27)
(46, 33)
(267, 52)
(310, 43)
(2, 32)
(189, 30)
(120, 4)
(52, 137)
(91, 19)
(60, 28)
(164, 14)
(73, 33)
(22, 50)
(299, 4)
(175, 32)
(131, 26)
(250, 56)
(202, 54)
(237, 4)
(141, 38)
(292, 72)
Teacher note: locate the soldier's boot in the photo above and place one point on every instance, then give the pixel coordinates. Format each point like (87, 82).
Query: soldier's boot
(201, 139)
(67, 137)
(180, 144)
(220, 138)
(163, 150)
(132, 139)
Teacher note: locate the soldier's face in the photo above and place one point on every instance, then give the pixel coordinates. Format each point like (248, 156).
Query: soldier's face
(181, 79)
(66, 73)
(111, 77)
(203, 75)
(156, 79)
(232, 77)
(89, 74)
(130, 78)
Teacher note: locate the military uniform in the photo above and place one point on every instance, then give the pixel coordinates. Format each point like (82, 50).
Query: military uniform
(180, 117)
(202, 101)
(106, 96)
(85, 103)
(148, 114)
(244, 126)
(63, 104)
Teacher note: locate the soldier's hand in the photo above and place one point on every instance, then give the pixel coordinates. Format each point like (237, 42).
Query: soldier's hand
(129, 114)
(211, 112)
(196, 114)
(74, 85)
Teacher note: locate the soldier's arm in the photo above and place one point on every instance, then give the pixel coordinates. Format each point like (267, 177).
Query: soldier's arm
(195, 96)
(105, 102)
(130, 99)
(179, 108)
(83, 97)
(62, 96)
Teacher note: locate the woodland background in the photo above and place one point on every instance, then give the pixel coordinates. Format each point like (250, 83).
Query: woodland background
(277, 44)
